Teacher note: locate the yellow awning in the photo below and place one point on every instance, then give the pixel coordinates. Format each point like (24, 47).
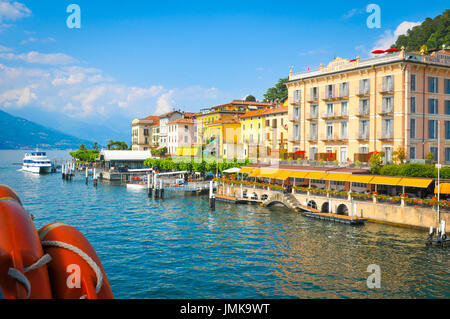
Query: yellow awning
(338, 177)
(415, 182)
(386, 180)
(246, 170)
(443, 187)
(255, 172)
(316, 175)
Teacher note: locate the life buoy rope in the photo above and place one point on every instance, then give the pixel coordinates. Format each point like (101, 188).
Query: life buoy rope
(17, 275)
(83, 255)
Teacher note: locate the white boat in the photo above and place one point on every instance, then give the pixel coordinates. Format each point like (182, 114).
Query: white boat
(137, 186)
(37, 162)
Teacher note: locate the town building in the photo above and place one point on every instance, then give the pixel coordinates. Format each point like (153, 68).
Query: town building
(351, 108)
(164, 119)
(181, 136)
(264, 132)
(142, 133)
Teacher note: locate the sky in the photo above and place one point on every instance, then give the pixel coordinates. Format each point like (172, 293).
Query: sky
(137, 58)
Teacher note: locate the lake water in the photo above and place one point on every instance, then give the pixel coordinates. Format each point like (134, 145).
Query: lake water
(178, 248)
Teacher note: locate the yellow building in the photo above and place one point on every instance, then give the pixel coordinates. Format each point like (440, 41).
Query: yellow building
(264, 132)
(354, 107)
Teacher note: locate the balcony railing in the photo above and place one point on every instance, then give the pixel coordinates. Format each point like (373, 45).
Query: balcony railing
(386, 135)
(363, 111)
(363, 135)
(387, 110)
(329, 114)
(312, 116)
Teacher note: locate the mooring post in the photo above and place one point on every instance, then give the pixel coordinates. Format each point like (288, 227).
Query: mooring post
(87, 178)
(149, 186)
(161, 188)
(156, 187)
(212, 198)
(95, 177)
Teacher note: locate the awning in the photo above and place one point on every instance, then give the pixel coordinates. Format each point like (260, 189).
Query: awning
(316, 175)
(246, 170)
(443, 187)
(232, 170)
(338, 177)
(386, 180)
(416, 182)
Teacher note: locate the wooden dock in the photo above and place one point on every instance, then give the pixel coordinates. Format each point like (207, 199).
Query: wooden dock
(337, 218)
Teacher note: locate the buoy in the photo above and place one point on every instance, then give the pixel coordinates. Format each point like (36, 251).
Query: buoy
(75, 271)
(23, 270)
(7, 192)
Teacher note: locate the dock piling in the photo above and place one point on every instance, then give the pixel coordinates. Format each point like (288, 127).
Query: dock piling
(212, 197)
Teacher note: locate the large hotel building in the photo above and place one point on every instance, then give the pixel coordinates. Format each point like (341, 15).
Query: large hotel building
(355, 107)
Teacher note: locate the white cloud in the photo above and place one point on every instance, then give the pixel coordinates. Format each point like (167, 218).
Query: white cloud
(72, 79)
(164, 103)
(17, 97)
(13, 10)
(32, 40)
(41, 58)
(4, 49)
(353, 12)
(388, 38)
(135, 93)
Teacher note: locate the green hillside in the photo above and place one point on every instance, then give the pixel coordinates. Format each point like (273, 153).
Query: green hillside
(432, 32)
(18, 133)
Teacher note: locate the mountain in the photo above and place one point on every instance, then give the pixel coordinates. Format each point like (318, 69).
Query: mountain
(93, 131)
(18, 133)
(432, 32)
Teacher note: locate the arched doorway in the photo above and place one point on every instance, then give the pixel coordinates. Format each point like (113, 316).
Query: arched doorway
(342, 210)
(325, 207)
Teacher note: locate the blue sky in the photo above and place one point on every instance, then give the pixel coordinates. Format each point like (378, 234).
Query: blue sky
(135, 58)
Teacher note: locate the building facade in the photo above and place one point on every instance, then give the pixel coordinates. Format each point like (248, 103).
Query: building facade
(164, 119)
(351, 108)
(142, 133)
(180, 136)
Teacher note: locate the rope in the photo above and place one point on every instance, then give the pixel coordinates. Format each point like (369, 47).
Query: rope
(83, 255)
(17, 275)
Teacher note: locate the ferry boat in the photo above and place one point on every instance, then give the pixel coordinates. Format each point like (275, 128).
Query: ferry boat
(36, 162)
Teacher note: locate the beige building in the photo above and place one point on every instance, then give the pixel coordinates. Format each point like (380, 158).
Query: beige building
(351, 108)
(142, 133)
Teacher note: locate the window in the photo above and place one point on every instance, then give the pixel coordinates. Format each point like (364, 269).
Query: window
(432, 84)
(314, 93)
(329, 92)
(185, 139)
(313, 131)
(387, 128)
(447, 130)
(432, 129)
(387, 154)
(363, 150)
(364, 86)
(447, 155)
(330, 109)
(344, 108)
(447, 107)
(447, 86)
(412, 152)
(364, 129)
(363, 107)
(297, 96)
(387, 105)
(296, 113)
(413, 128)
(313, 111)
(296, 132)
(312, 153)
(413, 82)
(274, 123)
(388, 83)
(329, 131)
(434, 150)
(343, 130)
(433, 106)
(413, 104)
(343, 89)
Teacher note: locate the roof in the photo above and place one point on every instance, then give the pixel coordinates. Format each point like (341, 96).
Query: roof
(182, 121)
(110, 155)
(169, 113)
(240, 102)
(192, 114)
(266, 111)
(228, 120)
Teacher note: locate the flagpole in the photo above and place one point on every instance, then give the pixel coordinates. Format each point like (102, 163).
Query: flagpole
(438, 167)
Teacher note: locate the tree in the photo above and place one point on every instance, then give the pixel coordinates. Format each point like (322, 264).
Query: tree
(117, 145)
(376, 162)
(83, 147)
(95, 147)
(250, 98)
(278, 93)
(430, 156)
(432, 32)
(399, 155)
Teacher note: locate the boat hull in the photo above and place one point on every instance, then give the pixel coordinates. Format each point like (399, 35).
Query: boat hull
(37, 169)
(137, 186)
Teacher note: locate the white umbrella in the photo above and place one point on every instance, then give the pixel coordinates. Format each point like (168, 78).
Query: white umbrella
(232, 170)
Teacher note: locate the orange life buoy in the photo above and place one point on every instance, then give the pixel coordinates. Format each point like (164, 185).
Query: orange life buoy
(7, 192)
(75, 270)
(23, 273)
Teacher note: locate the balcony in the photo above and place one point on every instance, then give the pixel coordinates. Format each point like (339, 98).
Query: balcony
(334, 138)
(386, 111)
(295, 102)
(312, 116)
(363, 92)
(363, 112)
(312, 138)
(330, 96)
(363, 136)
(386, 136)
(313, 98)
(329, 115)
(387, 89)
